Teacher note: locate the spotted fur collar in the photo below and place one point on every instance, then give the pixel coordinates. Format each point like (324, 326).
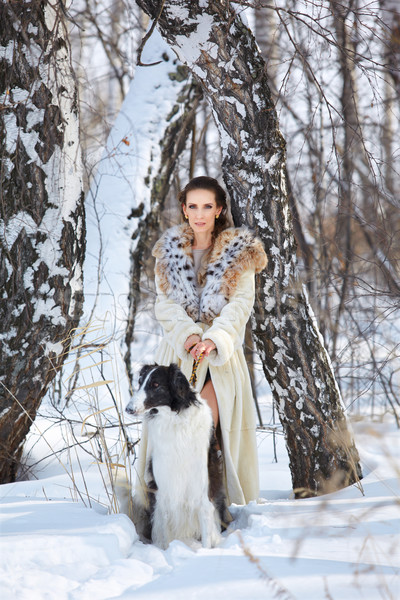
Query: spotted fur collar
(235, 250)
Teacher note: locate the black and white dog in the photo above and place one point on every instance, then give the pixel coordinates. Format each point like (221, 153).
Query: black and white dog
(183, 476)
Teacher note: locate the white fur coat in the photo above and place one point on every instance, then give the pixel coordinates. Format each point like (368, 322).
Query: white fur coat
(220, 314)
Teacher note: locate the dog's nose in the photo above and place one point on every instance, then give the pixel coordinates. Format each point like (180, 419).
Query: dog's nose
(130, 409)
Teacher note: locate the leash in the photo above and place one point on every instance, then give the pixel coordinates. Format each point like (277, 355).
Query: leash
(193, 377)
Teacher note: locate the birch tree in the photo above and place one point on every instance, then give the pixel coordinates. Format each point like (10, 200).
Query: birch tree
(212, 40)
(42, 220)
(391, 34)
(391, 20)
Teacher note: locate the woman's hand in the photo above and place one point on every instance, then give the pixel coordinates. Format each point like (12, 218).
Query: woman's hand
(204, 347)
(196, 346)
(191, 342)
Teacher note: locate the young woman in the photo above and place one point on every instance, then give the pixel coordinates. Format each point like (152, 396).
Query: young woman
(205, 293)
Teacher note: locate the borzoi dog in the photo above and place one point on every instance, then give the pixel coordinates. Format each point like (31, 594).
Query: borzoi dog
(183, 478)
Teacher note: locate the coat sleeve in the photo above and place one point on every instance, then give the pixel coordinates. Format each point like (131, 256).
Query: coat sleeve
(176, 323)
(227, 330)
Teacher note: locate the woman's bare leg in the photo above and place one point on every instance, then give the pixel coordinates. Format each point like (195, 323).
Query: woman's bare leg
(208, 393)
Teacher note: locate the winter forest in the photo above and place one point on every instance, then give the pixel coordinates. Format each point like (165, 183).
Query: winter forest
(107, 110)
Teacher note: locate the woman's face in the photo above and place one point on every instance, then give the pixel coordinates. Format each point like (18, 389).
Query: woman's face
(201, 209)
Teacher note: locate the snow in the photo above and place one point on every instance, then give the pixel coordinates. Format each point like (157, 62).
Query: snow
(10, 231)
(61, 536)
(130, 159)
(340, 546)
(189, 48)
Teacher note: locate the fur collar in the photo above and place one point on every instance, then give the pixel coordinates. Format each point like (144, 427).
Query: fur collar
(234, 251)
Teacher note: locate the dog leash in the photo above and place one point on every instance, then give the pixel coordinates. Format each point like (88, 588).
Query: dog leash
(193, 377)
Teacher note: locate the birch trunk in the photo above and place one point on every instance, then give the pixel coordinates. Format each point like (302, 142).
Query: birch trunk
(42, 219)
(352, 140)
(391, 36)
(221, 52)
(355, 160)
(266, 31)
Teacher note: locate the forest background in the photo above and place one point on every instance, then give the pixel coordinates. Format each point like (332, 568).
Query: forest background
(333, 69)
(333, 72)
(327, 93)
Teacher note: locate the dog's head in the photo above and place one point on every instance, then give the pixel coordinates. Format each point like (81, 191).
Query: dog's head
(161, 386)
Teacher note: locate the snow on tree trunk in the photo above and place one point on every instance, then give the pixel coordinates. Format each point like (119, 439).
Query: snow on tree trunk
(221, 52)
(172, 144)
(124, 202)
(42, 219)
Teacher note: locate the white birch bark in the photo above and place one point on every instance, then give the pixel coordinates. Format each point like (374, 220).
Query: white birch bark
(42, 220)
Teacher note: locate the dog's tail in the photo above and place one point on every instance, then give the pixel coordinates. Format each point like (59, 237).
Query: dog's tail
(122, 489)
(131, 505)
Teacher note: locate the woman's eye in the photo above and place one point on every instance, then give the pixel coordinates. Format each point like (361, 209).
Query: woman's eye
(193, 206)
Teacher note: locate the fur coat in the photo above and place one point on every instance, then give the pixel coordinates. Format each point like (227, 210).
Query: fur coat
(235, 250)
(220, 314)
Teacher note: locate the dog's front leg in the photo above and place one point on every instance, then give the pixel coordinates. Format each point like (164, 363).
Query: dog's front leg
(160, 533)
(210, 536)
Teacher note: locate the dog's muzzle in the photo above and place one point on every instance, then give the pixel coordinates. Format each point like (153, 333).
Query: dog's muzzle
(136, 411)
(131, 409)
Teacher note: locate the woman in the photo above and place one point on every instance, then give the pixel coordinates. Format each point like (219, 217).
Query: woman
(205, 294)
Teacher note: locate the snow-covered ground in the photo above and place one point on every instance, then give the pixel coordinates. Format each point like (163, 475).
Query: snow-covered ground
(61, 536)
(339, 547)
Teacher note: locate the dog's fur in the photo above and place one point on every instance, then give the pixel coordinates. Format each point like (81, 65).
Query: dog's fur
(183, 471)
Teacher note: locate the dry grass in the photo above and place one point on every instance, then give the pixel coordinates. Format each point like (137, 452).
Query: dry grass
(88, 409)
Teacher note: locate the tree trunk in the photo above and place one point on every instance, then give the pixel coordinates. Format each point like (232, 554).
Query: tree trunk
(221, 52)
(42, 220)
(352, 140)
(391, 37)
(265, 33)
(355, 160)
(266, 30)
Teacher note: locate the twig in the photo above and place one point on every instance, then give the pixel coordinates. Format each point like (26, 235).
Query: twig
(146, 38)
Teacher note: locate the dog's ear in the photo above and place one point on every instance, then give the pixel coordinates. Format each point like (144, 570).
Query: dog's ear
(180, 389)
(143, 372)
